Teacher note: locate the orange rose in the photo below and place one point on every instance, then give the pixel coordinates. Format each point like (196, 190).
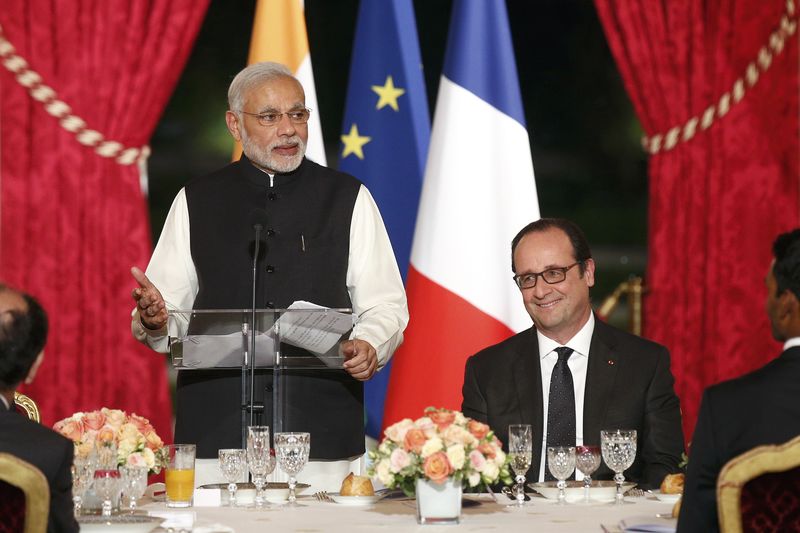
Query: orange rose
(487, 449)
(70, 428)
(153, 441)
(414, 441)
(437, 467)
(140, 422)
(442, 418)
(94, 420)
(478, 429)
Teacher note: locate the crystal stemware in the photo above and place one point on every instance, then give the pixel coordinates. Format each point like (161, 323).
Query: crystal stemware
(106, 474)
(292, 451)
(259, 460)
(520, 448)
(619, 451)
(561, 462)
(134, 483)
(232, 464)
(82, 474)
(587, 460)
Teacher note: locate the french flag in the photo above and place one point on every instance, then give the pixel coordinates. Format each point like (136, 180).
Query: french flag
(478, 192)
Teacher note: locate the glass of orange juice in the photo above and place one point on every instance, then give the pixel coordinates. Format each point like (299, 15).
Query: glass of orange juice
(179, 475)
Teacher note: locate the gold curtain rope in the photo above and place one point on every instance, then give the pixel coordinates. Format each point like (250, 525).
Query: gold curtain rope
(663, 142)
(47, 96)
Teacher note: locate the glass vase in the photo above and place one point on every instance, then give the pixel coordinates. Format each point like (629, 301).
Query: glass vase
(438, 503)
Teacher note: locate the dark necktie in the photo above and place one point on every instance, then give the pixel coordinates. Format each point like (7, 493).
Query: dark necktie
(560, 406)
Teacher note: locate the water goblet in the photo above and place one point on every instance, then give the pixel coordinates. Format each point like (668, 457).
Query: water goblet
(82, 474)
(232, 464)
(106, 474)
(259, 460)
(520, 448)
(619, 451)
(561, 462)
(292, 451)
(134, 483)
(587, 460)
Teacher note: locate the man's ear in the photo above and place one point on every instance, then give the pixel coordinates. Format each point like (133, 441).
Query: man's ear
(34, 368)
(232, 122)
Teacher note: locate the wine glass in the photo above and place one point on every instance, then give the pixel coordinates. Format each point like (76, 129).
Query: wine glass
(134, 483)
(292, 451)
(106, 474)
(259, 460)
(561, 462)
(82, 474)
(619, 451)
(587, 460)
(520, 448)
(232, 464)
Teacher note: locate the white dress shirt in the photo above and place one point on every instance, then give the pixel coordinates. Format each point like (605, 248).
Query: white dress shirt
(373, 279)
(791, 343)
(578, 363)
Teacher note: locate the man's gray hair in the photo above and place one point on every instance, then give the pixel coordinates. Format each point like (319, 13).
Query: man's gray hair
(252, 76)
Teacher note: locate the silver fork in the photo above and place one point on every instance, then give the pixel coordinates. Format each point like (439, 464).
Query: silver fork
(323, 496)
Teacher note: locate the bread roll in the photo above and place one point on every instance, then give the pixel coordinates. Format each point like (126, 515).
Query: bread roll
(672, 484)
(356, 486)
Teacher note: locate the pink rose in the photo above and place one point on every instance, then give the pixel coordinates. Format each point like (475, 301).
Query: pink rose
(94, 420)
(478, 429)
(477, 460)
(415, 440)
(70, 428)
(437, 467)
(136, 459)
(399, 460)
(114, 417)
(140, 422)
(426, 425)
(442, 418)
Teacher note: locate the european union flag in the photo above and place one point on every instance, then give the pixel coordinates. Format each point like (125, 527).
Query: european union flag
(385, 135)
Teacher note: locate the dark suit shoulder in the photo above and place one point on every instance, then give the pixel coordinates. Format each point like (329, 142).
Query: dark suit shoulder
(773, 377)
(505, 350)
(627, 344)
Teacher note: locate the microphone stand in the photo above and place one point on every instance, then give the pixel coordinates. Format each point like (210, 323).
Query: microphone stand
(248, 400)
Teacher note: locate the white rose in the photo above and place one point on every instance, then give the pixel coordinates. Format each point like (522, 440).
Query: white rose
(473, 479)
(461, 420)
(500, 458)
(397, 432)
(384, 473)
(385, 447)
(458, 435)
(149, 458)
(431, 446)
(456, 455)
(490, 472)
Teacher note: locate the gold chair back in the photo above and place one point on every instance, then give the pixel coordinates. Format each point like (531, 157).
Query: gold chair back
(634, 289)
(33, 484)
(744, 468)
(28, 405)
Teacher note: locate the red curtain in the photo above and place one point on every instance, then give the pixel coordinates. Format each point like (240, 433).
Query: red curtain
(717, 200)
(72, 223)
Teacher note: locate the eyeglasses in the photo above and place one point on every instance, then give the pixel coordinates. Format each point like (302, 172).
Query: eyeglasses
(271, 118)
(550, 276)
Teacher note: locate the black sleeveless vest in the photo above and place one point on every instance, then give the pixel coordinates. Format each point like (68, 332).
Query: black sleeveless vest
(305, 249)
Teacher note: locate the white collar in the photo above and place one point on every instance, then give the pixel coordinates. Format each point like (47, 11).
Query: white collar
(790, 343)
(5, 402)
(579, 343)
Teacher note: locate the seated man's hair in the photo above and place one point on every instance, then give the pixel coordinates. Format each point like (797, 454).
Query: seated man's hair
(786, 270)
(22, 338)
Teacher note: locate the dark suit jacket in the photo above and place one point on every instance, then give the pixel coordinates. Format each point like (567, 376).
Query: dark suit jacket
(628, 386)
(49, 452)
(762, 407)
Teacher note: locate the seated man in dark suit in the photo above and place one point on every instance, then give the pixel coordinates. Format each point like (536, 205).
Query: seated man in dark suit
(571, 376)
(759, 408)
(23, 332)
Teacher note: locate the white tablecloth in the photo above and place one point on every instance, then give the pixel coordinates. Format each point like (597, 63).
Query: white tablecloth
(399, 515)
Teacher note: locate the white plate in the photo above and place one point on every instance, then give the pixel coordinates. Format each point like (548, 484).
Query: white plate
(604, 490)
(356, 500)
(120, 523)
(666, 498)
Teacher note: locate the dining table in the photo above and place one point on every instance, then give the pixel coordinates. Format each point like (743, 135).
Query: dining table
(397, 513)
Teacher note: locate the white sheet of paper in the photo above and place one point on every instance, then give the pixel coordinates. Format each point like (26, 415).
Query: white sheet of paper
(222, 351)
(313, 331)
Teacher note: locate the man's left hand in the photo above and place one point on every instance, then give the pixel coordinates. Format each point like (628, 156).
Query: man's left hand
(360, 359)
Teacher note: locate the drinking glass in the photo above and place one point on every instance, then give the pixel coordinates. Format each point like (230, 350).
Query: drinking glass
(82, 474)
(292, 452)
(232, 464)
(619, 450)
(179, 475)
(106, 475)
(587, 460)
(134, 483)
(259, 460)
(520, 448)
(561, 462)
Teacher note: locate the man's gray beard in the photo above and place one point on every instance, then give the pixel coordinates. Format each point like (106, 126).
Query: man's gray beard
(262, 159)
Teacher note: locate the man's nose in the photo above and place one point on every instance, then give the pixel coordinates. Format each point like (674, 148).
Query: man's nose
(541, 289)
(285, 125)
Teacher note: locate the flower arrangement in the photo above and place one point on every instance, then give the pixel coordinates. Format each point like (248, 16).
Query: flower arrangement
(443, 444)
(135, 438)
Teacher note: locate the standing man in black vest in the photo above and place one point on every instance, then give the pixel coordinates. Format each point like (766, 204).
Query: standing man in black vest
(325, 243)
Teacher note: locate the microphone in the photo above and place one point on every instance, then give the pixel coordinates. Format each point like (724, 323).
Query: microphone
(258, 219)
